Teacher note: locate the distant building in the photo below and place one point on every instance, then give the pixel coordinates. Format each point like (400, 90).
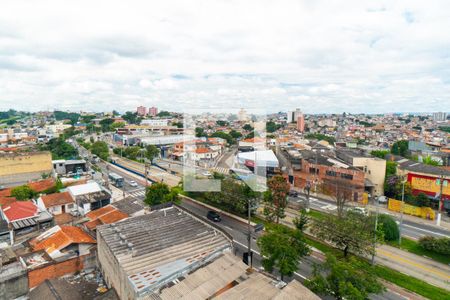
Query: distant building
(141, 111)
(155, 122)
(73, 166)
(439, 116)
(153, 111)
(243, 116)
(293, 115)
(301, 122)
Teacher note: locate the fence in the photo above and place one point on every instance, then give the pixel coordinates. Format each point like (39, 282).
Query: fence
(422, 212)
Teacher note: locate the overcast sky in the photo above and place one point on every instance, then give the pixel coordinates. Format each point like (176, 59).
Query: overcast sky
(320, 56)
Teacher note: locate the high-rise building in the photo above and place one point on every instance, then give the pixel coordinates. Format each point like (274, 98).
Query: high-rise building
(141, 111)
(153, 111)
(439, 116)
(242, 115)
(293, 115)
(300, 122)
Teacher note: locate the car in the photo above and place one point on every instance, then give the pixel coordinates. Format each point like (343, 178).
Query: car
(359, 210)
(293, 193)
(207, 174)
(133, 183)
(382, 199)
(213, 216)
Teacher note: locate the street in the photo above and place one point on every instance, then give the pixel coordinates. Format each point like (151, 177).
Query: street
(409, 229)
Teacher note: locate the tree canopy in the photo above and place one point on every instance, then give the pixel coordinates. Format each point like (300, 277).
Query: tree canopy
(275, 198)
(100, 149)
(352, 232)
(159, 193)
(23, 192)
(60, 149)
(344, 279)
(282, 248)
(400, 148)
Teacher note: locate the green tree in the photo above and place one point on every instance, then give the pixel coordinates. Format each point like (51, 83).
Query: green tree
(282, 248)
(247, 127)
(272, 127)
(422, 200)
(60, 149)
(428, 160)
(151, 152)
(132, 152)
(200, 132)
(131, 117)
(344, 279)
(116, 125)
(23, 192)
(100, 149)
(391, 168)
(222, 123)
(379, 153)
(352, 232)
(275, 198)
(438, 245)
(400, 148)
(301, 222)
(158, 193)
(225, 136)
(389, 227)
(106, 124)
(235, 134)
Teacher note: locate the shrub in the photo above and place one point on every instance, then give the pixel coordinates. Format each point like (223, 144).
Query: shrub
(389, 227)
(438, 245)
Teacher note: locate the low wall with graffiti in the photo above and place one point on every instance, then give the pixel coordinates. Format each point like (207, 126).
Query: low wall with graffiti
(422, 212)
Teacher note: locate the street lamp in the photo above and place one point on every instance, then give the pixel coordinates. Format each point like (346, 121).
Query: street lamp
(375, 232)
(401, 211)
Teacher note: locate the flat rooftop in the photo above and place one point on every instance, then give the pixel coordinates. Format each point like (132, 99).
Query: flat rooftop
(158, 247)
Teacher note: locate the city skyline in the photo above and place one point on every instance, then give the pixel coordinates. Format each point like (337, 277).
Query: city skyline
(368, 57)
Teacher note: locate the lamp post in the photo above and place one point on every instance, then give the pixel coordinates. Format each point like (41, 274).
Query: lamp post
(401, 212)
(375, 232)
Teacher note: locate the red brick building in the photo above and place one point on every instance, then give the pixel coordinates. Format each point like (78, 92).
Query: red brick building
(329, 176)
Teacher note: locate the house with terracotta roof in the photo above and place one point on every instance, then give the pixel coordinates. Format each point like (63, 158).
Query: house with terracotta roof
(105, 215)
(57, 203)
(23, 217)
(59, 241)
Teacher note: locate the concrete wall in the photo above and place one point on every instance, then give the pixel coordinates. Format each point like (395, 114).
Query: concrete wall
(13, 281)
(375, 170)
(20, 168)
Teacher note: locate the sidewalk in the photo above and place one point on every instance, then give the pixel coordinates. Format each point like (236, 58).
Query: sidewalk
(405, 262)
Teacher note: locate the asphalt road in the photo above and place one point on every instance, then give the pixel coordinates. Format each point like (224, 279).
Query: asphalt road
(409, 229)
(239, 231)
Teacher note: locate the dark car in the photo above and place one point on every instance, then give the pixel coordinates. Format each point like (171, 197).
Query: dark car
(293, 193)
(213, 216)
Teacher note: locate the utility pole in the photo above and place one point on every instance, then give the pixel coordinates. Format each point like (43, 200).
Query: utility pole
(249, 236)
(401, 212)
(375, 233)
(308, 189)
(145, 174)
(441, 201)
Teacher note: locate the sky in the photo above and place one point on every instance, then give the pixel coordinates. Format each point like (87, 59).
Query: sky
(320, 56)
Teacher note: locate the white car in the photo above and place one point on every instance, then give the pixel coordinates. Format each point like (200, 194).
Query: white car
(207, 174)
(360, 210)
(133, 183)
(382, 199)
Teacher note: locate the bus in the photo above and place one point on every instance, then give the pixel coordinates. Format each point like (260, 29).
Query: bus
(116, 180)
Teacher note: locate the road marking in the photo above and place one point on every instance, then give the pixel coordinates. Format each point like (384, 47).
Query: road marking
(425, 230)
(245, 246)
(412, 263)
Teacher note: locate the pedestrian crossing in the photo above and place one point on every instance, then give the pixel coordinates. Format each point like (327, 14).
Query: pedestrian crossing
(221, 170)
(137, 193)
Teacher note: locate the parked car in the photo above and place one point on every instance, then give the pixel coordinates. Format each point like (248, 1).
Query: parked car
(382, 199)
(133, 183)
(207, 174)
(213, 216)
(293, 193)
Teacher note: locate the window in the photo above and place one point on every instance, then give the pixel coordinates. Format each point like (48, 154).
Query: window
(313, 171)
(347, 176)
(331, 173)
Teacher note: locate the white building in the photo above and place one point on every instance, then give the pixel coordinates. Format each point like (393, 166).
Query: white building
(155, 122)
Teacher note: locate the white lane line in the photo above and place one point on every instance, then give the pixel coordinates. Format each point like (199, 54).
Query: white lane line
(425, 230)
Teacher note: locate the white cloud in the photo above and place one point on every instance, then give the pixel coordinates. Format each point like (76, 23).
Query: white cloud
(324, 56)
